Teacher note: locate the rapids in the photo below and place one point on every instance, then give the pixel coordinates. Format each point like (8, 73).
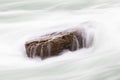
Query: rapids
(21, 20)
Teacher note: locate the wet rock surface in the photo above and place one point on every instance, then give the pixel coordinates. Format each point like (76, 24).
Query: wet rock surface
(53, 44)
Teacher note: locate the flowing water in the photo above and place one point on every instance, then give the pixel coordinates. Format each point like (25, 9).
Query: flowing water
(75, 43)
(21, 20)
(49, 48)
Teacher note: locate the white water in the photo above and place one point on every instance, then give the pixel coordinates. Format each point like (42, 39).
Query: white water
(21, 20)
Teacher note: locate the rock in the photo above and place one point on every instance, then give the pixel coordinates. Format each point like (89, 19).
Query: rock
(53, 44)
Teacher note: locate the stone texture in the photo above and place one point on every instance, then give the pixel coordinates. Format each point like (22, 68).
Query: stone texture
(53, 44)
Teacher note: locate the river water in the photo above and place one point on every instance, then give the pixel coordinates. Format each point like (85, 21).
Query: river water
(26, 19)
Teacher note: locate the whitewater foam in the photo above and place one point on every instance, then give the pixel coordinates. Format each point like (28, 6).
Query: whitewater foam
(100, 62)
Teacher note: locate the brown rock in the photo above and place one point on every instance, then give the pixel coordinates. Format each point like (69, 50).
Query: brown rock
(53, 44)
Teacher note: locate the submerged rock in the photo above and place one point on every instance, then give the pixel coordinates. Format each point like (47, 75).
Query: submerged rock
(53, 44)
